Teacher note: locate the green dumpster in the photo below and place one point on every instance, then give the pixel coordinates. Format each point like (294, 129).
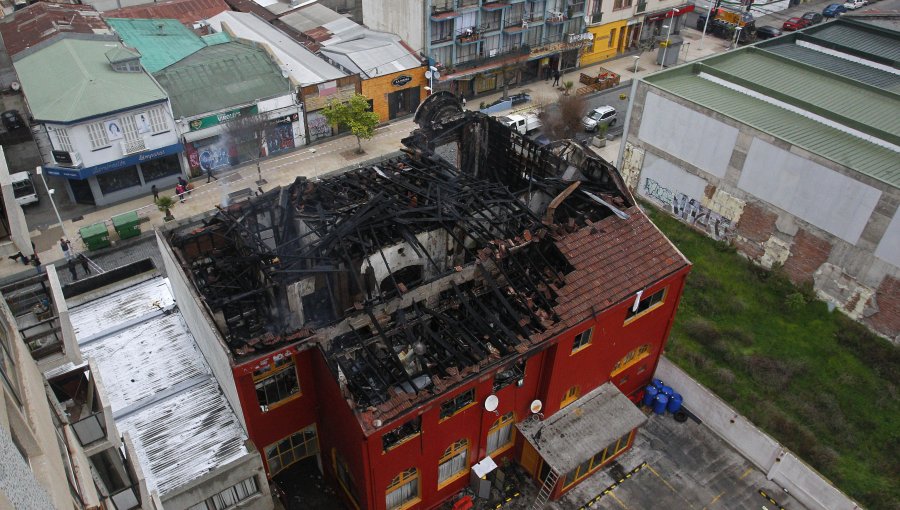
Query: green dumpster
(95, 236)
(127, 225)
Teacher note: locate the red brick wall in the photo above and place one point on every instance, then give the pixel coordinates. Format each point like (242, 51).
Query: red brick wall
(754, 228)
(807, 253)
(887, 297)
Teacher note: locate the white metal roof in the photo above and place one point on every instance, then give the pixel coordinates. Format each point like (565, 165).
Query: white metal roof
(159, 385)
(304, 67)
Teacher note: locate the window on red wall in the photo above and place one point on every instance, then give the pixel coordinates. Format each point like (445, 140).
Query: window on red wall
(646, 304)
(508, 375)
(632, 358)
(454, 462)
(401, 434)
(582, 340)
(501, 436)
(276, 383)
(403, 491)
(457, 404)
(344, 477)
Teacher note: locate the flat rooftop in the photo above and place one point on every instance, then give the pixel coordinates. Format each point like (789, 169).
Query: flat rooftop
(159, 386)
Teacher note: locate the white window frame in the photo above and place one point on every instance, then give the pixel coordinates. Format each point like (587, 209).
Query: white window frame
(97, 135)
(63, 141)
(158, 123)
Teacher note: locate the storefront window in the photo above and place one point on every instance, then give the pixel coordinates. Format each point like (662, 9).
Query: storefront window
(160, 167)
(118, 180)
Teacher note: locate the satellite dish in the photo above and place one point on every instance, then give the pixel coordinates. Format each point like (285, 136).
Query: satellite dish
(536, 406)
(15, 86)
(491, 403)
(432, 74)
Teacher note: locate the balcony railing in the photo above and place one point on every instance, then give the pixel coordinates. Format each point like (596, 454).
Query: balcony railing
(440, 6)
(468, 3)
(477, 60)
(133, 146)
(77, 393)
(489, 26)
(468, 35)
(443, 37)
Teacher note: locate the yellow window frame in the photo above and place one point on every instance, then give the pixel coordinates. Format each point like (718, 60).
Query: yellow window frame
(632, 358)
(662, 301)
(399, 481)
(274, 369)
(334, 463)
(461, 409)
(290, 438)
(605, 455)
(585, 345)
(571, 395)
(506, 419)
(459, 446)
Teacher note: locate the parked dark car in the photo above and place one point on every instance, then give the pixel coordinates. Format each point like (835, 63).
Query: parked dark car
(792, 24)
(834, 10)
(814, 18)
(12, 120)
(768, 32)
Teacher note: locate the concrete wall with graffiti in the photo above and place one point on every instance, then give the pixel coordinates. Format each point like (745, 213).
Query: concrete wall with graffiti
(778, 204)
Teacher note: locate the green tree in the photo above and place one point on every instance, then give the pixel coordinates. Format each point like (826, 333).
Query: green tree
(353, 113)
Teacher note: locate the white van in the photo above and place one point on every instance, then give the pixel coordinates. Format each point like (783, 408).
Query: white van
(23, 188)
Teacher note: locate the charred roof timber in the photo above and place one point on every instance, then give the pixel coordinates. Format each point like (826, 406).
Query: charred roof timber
(410, 273)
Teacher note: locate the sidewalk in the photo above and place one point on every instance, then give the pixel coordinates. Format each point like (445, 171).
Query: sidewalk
(323, 158)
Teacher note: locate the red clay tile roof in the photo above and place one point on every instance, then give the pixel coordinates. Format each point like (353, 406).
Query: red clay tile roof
(41, 21)
(185, 11)
(613, 260)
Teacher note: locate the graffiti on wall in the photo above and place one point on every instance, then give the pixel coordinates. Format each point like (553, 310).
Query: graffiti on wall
(318, 126)
(689, 210)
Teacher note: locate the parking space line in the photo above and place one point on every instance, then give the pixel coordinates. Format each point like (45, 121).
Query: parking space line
(747, 472)
(666, 482)
(619, 501)
(713, 502)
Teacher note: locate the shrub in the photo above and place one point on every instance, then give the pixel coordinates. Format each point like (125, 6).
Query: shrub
(795, 301)
(701, 330)
(724, 375)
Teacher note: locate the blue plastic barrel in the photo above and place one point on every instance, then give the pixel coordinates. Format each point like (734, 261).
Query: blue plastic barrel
(674, 403)
(659, 384)
(649, 394)
(659, 404)
(667, 391)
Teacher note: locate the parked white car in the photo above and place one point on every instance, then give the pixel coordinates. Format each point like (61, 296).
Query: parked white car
(855, 4)
(603, 116)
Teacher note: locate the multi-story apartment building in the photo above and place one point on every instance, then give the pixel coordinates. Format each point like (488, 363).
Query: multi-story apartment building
(471, 41)
(60, 446)
(395, 325)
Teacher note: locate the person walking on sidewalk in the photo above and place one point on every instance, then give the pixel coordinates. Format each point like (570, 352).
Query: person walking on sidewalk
(36, 262)
(155, 192)
(72, 271)
(555, 78)
(84, 264)
(179, 190)
(66, 246)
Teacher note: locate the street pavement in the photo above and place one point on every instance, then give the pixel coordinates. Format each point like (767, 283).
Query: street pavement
(338, 153)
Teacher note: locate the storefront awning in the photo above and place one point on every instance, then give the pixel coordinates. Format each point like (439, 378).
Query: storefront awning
(110, 166)
(574, 434)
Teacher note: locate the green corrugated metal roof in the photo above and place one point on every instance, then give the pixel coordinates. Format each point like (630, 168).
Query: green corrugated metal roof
(221, 77)
(828, 93)
(72, 79)
(840, 66)
(162, 42)
(856, 35)
(832, 143)
(216, 38)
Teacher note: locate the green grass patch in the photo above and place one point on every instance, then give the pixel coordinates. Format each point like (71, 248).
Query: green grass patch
(818, 382)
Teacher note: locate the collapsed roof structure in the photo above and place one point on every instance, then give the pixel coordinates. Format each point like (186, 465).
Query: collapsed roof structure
(414, 273)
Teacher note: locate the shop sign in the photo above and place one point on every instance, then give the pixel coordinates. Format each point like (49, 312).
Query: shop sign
(682, 10)
(587, 36)
(220, 118)
(401, 80)
(118, 164)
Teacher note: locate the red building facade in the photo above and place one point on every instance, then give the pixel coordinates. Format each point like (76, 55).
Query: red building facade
(573, 313)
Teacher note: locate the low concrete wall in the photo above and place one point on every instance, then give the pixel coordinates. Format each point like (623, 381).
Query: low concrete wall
(780, 465)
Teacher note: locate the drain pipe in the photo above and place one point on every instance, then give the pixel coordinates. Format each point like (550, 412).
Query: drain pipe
(634, 83)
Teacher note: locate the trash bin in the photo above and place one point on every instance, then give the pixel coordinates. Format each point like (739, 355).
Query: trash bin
(95, 236)
(127, 225)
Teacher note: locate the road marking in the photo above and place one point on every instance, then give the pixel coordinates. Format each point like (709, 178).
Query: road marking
(713, 502)
(663, 480)
(619, 501)
(747, 472)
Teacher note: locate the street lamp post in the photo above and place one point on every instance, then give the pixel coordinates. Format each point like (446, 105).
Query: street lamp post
(39, 171)
(737, 37)
(668, 34)
(705, 24)
(636, 59)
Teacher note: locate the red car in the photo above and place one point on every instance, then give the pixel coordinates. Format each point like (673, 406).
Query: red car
(795, 24)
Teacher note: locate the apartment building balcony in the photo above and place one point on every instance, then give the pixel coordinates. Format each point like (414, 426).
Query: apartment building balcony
(495, 6)
(490, 26)
(515, 26)
(496, 57)
(556, 18)
(443, 10)
(82, 398)
(468, 4)
(438, 39)
(468, 36)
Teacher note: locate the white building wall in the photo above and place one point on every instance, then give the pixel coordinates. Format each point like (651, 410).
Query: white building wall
(405, 18)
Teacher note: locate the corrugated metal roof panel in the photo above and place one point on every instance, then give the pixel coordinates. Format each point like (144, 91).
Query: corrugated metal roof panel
(851, 35)
(865, 157)
(162, 42)
(880, 110)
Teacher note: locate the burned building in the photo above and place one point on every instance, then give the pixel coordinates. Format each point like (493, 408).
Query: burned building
(350, 316)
